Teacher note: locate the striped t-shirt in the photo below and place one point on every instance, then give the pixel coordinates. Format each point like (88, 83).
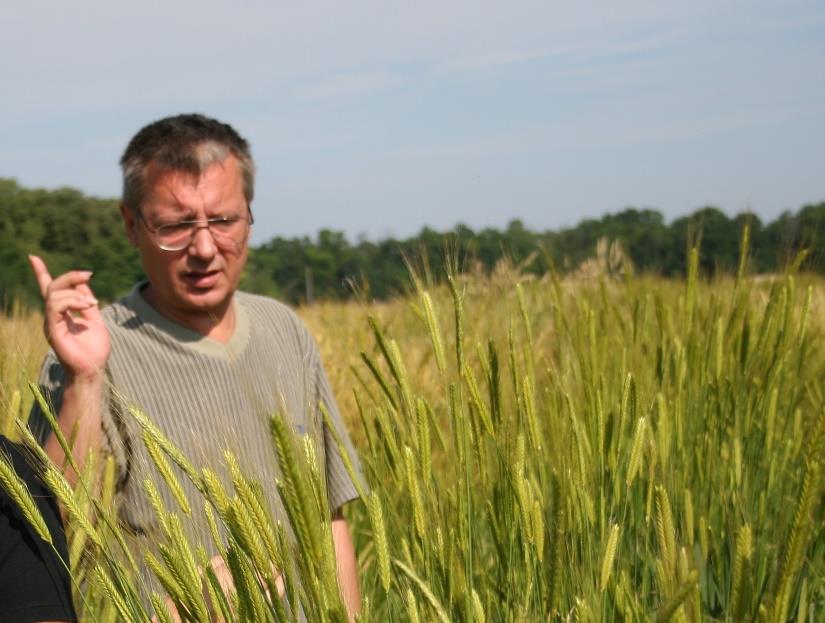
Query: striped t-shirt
(207, 397)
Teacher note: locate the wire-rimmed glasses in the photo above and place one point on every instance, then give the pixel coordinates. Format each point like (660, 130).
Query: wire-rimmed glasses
(226, 231)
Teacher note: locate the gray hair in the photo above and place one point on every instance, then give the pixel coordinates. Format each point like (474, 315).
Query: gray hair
(189, 143)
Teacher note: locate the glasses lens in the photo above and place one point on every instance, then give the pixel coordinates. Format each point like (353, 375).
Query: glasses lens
(174, 236)
(228, 231)
(227, 226)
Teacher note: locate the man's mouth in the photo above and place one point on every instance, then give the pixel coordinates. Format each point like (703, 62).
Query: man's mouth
(201, 279)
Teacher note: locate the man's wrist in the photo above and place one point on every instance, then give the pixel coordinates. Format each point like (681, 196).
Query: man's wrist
(90, 380)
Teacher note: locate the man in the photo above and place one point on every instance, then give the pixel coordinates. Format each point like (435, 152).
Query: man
(207, 363)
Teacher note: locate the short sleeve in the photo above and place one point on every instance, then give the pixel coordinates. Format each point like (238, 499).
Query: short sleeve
(50, 383)
(340, 487)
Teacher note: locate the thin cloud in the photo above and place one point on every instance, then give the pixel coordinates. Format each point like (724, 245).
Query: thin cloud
(351, 84)
(582, 53)
(490, 61)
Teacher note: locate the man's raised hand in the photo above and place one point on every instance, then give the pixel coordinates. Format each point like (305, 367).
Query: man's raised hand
(72, 321)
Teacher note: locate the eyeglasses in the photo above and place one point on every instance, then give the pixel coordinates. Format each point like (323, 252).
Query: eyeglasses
(227, 231)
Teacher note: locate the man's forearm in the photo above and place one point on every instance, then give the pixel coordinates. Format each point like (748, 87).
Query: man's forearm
(346, 565)
(79, 419)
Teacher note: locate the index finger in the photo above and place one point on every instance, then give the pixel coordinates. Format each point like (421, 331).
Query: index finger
(41, 273)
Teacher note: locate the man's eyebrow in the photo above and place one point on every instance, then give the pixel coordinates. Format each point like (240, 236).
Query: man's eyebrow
(177, 216)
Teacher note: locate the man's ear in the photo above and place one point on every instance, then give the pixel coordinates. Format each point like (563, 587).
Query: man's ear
(129, 223)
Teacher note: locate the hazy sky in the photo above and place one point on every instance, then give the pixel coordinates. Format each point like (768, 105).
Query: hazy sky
(383, 117)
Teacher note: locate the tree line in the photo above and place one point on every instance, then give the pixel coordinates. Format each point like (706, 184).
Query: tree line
(72, 230)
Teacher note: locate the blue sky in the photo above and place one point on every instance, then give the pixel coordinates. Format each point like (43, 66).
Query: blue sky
(379, 118)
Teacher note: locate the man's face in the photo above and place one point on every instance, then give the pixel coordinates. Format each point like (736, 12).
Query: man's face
(202, 277)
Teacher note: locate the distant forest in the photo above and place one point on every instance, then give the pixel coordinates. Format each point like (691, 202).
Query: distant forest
(72, 230)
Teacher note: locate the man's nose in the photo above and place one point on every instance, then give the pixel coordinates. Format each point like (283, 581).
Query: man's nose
(203, 244)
